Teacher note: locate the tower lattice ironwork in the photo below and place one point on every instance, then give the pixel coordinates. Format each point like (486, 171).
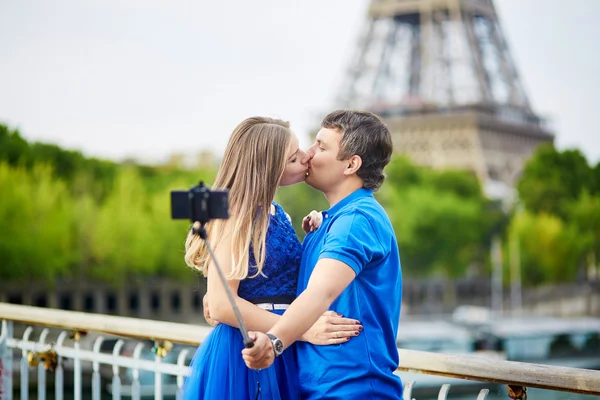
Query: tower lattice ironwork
(441, 74)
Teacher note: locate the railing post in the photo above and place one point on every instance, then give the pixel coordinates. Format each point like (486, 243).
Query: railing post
(443, 394)
(135, 384)
(41, 368)
(6, 361)
(160, 350)
(407, 390)
(96, 370)
(25, 355)
(76, 336)
(116, 380)
(180, 378)
(157, 379)
(60, 374)
(41, 384)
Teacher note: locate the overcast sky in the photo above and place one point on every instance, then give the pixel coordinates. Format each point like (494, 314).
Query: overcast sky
(144, 79)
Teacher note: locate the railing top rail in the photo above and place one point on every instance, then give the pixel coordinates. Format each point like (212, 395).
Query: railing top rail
(484, 369)
(122, 326)
(456, 366)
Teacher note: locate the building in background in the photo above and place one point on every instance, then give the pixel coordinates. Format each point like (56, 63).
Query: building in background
(441, 74)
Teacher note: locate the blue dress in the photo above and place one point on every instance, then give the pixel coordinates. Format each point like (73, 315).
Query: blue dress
(217, 369)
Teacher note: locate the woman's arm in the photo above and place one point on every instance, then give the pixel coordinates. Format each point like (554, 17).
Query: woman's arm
(220, 308)
(330, 328)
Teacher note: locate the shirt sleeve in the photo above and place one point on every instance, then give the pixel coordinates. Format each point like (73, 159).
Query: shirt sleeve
(352, 240)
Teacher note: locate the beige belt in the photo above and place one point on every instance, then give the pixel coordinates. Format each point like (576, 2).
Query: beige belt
(272, 306)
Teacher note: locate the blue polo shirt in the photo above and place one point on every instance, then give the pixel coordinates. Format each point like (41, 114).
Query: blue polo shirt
(358, 232)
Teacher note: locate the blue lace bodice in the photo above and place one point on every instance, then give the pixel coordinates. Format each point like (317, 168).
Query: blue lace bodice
(282, 262)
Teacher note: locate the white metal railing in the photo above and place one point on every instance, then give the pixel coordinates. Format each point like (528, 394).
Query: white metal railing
(71, 345)
(52, 356)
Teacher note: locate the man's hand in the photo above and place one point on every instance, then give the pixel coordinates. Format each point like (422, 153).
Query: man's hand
(261, 355)
(332, 328)
(312, 221)
(209, 320)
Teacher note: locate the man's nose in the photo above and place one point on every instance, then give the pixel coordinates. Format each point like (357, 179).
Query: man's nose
(305, 157)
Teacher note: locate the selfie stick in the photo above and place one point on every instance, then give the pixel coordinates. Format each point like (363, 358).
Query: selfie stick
(248, 343)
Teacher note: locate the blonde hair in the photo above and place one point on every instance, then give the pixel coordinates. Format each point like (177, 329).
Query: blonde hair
(252, 166)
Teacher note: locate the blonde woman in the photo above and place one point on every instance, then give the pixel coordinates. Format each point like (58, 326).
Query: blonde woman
(259, 252)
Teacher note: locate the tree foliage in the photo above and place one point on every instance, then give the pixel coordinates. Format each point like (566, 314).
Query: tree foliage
(37, 237)
(560, 193)
(68, 216)
(552, 179)
(439, 218)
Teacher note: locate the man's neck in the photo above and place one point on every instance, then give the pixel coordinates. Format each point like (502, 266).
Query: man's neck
(344, 190)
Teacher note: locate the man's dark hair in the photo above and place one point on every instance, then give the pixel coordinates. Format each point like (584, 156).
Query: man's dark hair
(363, 134)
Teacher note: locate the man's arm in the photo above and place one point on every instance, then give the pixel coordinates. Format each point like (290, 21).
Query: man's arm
(332, 329)
(328, 280)
(350, 245)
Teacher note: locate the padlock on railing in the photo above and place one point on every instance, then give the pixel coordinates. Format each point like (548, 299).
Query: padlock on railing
(49, 358)
(32, 358)
(77, 335)
(516, 392)
(162, 348)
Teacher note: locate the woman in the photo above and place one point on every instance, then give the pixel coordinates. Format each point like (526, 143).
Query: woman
(260, 254)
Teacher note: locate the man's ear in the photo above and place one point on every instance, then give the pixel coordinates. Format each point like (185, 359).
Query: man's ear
(353, 164)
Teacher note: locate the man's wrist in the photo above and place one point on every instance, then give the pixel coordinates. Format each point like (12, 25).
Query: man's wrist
(276, 343)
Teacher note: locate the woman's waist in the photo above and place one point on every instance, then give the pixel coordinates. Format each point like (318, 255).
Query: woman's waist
(273, 303)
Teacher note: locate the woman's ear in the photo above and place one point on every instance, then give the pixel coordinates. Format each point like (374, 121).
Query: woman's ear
(354, 164)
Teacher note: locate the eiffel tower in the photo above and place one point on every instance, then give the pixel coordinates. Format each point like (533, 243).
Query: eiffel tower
(440, 73)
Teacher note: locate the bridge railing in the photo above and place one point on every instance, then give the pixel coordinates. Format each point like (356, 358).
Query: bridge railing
(74, 354)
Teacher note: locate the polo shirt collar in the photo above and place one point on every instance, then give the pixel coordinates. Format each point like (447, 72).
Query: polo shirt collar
(362, 192)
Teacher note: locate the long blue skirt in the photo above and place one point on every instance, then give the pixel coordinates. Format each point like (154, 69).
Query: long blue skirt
(218, 372)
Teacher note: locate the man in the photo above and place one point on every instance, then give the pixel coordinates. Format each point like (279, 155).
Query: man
(351, 264)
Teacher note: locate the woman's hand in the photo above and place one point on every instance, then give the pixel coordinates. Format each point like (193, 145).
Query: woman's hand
(312, 221)
(332, 328)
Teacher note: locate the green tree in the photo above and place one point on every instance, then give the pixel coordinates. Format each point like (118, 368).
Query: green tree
(298, 200)
(37, 236)
(595, 189)
(134, 235)
(85, 214)
(551, 179)
(585, 215)
(170, 235)
(460, 183)
(82, 175)
(13, 148)
(97, 219)
(550, 249)
(438, 233)
(438, 216)
(403, 173)
(123, 236)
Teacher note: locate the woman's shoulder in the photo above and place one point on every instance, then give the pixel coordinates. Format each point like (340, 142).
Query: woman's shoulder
(278, 208)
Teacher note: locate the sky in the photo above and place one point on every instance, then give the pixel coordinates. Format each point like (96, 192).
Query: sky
(146, 78)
